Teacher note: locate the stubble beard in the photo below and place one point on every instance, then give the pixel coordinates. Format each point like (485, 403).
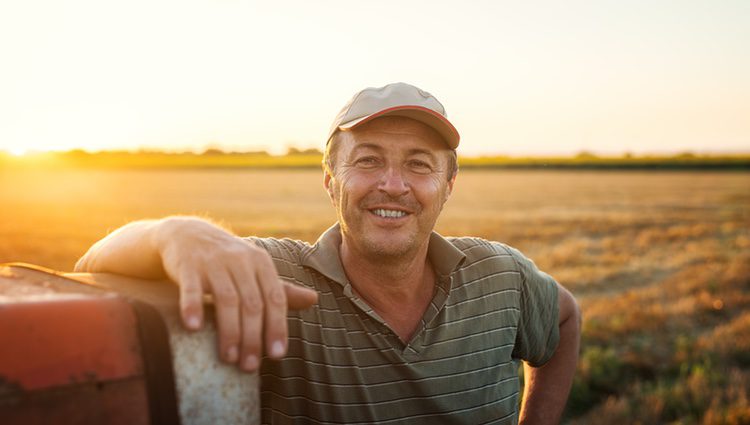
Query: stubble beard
(390, 251)
(381, 249)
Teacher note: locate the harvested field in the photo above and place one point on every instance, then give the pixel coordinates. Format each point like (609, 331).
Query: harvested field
(660, 261)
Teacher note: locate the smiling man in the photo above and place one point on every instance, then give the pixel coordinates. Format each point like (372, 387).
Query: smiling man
(409, 326)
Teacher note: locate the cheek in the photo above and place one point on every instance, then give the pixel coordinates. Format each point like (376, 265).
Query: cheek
(353, 185)
(430, 192)
(340, 192)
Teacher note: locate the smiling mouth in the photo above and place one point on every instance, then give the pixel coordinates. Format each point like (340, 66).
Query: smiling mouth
(384, 213)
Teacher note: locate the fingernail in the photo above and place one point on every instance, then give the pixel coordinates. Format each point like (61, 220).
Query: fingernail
(193, 322)
(232, 354)
(251, 363)
(277, 349)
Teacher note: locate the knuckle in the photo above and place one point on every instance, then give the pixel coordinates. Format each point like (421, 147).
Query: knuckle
(252, 305)
(225, 297)
(226, 302)
(191, 290)
(235, 250)
(277, 296)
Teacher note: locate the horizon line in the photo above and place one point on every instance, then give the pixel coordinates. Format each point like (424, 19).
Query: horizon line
(314, 151)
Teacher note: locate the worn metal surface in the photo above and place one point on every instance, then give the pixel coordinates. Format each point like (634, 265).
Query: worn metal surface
(58, 350)
(209, 391)
(122, 402)
(67, 358)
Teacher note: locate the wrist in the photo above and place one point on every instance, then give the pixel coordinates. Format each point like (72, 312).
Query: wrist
(164, 231)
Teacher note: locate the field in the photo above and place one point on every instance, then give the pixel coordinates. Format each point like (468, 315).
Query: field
(660, 261)
(311, 158)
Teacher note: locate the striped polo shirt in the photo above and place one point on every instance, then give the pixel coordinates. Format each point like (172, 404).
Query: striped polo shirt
(491, 307)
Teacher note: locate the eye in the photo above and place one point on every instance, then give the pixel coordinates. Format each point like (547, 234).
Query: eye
(419, 166)
(367, 162)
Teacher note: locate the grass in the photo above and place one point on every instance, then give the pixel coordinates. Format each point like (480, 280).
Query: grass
(628, 162)
(659, 261)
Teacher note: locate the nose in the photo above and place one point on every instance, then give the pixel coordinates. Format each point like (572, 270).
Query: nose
(393, 183)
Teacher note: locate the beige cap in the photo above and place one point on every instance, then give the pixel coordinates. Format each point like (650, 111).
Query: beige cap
(396, 99)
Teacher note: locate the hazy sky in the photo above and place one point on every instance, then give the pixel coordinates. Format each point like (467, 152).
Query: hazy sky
(515, 77)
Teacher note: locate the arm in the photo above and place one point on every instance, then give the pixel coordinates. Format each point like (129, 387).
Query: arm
(130, 250)
(251, 301)
(547, 387)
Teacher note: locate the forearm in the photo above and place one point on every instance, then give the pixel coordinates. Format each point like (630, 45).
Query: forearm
(546, 388)
(130, 250)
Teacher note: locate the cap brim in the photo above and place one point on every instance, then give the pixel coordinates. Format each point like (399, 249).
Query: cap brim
(427, 116)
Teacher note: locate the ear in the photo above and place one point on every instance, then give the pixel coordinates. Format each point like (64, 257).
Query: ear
(327, 183)
(449, 187)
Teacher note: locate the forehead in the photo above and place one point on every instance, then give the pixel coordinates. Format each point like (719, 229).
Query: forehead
(394, 132)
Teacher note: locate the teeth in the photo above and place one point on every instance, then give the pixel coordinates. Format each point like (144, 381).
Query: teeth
(389, 213)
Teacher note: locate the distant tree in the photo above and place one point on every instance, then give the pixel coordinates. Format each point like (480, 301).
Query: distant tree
(685, 155)
(213, 151)
(244, 153)
(296, 151)
(586, 155)
(77, 153)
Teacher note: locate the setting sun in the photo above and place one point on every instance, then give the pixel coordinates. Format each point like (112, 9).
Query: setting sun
(17, 151)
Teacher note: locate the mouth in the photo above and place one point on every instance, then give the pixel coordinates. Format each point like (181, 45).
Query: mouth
(388, 213)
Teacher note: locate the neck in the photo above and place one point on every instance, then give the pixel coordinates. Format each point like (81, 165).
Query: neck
(399, 289)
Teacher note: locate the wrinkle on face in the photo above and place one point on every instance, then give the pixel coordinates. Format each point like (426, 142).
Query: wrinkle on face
(390, 161)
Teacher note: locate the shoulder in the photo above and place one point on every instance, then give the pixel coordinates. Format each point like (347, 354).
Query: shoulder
(287, 249)
(488, 267)
(489, 259)
(479, 251)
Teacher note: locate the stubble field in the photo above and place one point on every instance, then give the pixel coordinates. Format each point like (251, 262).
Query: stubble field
(660, 261)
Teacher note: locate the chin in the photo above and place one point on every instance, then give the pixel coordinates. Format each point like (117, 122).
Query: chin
(389, 247)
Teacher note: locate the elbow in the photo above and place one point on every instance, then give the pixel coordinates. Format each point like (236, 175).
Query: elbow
(571, 316)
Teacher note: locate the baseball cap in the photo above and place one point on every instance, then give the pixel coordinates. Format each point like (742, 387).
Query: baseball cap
(399, 99)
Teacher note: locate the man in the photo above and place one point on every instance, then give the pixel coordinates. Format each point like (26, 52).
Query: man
(409, 326)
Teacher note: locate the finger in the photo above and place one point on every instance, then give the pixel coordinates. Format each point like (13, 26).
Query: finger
(274, 297)
(298, 297)
(251, 315)
(227, 303)
(191, 300)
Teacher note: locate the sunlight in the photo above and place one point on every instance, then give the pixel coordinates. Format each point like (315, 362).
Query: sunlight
(18, 152)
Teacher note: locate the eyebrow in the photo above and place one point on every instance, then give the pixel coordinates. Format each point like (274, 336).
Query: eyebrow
(360, 146)
(429, 153)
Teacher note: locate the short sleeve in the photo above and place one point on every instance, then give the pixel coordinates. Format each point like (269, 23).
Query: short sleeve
(538, 327)
(285, 254)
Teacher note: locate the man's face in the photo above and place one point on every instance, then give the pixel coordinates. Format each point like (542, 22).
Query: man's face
(389, 184)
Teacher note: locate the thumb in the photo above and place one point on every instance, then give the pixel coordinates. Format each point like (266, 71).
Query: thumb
(298, 297)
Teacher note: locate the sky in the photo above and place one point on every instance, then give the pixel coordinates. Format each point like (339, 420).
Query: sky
(517, 78)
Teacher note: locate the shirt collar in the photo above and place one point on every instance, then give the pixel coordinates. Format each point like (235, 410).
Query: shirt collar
(324, 255)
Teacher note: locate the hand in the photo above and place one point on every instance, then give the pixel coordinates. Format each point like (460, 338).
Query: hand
(251, 301)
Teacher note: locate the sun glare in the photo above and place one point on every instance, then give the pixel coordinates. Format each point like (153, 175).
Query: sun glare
(17, 151)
